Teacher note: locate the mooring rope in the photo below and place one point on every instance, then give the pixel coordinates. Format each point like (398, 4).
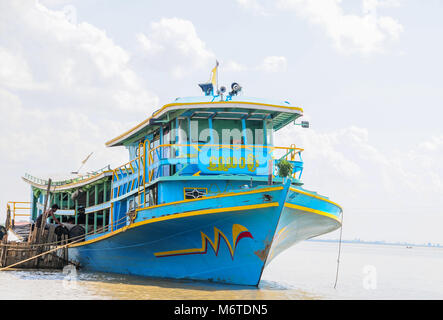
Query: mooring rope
(101, 229)
(57, 248)
(339, 251)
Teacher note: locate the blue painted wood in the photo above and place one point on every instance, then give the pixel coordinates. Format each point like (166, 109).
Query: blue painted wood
(135, 250)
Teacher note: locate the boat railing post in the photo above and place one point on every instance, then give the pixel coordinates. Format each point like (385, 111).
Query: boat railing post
(270, 169)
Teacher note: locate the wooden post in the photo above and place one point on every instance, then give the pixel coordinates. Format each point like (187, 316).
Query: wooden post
(7, 222)
(13, 216)
(44, 217)
(65, 249)
(4, 254)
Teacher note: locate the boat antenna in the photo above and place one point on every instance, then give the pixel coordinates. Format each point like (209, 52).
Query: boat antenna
(216, 72)
(83, 163)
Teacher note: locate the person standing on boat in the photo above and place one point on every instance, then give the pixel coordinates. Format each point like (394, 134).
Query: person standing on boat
(51, 212)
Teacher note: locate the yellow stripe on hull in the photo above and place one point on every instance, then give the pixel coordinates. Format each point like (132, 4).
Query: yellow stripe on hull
(177, 216)
(222, 195)
(326, 214)
(315, 196)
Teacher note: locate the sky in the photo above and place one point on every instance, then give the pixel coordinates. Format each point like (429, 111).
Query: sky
(368, 74)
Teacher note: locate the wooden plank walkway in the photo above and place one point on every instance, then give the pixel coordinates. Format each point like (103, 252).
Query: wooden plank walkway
(12, 252)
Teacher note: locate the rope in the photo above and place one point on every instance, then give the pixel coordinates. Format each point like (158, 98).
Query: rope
(101, 229)
(339, 252)
(57, 248)
(39, 255)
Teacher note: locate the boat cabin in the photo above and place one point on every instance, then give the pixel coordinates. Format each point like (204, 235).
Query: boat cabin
(188, 149)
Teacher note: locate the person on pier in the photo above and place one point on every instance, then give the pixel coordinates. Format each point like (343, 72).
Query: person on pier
(49, 213)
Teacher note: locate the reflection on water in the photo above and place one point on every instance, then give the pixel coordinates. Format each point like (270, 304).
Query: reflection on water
(306, 271)
(40, 284)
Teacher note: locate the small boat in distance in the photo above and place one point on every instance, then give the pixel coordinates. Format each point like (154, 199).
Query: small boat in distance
(206, 195)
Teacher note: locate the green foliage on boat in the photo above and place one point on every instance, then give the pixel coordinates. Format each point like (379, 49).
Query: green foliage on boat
(284, 168)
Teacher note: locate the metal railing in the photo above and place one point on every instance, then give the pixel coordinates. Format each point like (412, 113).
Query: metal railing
(17, 208)
(190, 153)
(84, 177)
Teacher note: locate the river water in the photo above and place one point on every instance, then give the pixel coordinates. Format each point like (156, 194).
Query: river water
(305, 271)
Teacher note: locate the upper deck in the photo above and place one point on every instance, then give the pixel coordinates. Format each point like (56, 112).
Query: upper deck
(212, 108)
(204, 141)
(198, 136)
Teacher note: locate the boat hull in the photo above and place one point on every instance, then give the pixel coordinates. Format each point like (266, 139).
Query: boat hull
(221, 239)
(305, 215)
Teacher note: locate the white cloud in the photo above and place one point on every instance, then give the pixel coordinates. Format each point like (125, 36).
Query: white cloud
(65, 89)
(350, 33)
(390, 190)
(15, 72)
(254, 5)
(232, 66)
(173, 43)
(433, 144)
(78, 60)
(273, 64)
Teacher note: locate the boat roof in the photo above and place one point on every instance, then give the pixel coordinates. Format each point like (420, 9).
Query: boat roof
(282, 112)
(70, 182)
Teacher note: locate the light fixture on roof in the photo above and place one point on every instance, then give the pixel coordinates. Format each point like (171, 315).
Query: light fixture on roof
(303, 124)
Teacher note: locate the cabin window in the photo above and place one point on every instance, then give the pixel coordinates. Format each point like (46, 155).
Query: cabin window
(155, 142)
(269, 133)
(131, 206)
(200, 131)
(228, 131)
(136, 202)
(133, 151)
(182, 131)
(166, 134)
(255, 132)
(151, 196)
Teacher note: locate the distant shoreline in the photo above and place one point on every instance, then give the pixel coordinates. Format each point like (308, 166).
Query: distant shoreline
(403, 244)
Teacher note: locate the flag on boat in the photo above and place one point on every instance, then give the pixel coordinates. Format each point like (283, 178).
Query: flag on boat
(213, 78)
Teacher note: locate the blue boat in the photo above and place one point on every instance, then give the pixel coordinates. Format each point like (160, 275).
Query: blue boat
(204, 196)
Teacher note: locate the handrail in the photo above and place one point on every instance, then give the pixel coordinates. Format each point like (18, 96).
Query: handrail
(67, 181)
(291, 151)
(15, 208)
(132, 168)
(231, 146)
(126, 168)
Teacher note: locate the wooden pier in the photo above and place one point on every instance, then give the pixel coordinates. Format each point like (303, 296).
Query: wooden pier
(44, 248)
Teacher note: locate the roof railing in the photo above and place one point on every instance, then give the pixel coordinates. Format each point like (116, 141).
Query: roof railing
(81, 178)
